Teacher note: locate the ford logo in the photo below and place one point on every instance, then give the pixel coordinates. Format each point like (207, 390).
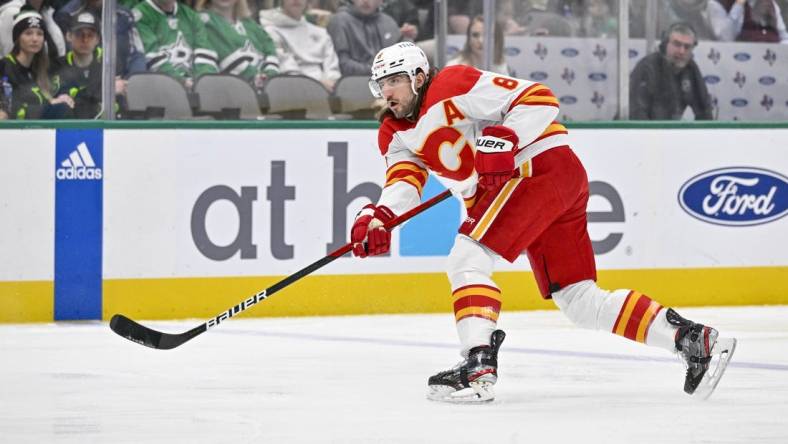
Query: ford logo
(712, 79)
(538, 75)
(633, 53)
(512, 51)
(767, 80)
(451, 50)
(739, 196)
(739, 102)
(568, 100)
(741, 56)
(570, 52)
(597, 76)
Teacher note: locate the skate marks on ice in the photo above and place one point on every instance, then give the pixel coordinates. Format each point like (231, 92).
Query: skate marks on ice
(667, 358)
(363, 379)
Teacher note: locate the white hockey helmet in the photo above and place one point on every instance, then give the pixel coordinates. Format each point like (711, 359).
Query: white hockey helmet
(403, 57)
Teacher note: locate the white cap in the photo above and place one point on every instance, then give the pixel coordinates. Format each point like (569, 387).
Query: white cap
(403, 57)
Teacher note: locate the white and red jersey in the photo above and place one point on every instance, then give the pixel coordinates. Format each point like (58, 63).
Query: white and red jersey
(459, 103)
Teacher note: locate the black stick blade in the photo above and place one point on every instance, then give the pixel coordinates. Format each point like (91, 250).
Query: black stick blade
(135, 332)
(149, 337)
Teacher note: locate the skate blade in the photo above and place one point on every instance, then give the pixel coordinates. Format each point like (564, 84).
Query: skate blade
(478, 392)
(723, 349)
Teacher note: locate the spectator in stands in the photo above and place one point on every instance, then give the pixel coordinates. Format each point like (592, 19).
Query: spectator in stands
(665, 83)
(175, 40)
(35, 95)
(599, 20)
(405, 13)
(459, 18)
(303, 48)
(473, 52)
(55, 43)
(242, 46)
(359, 31)
(80, 71)
(756, 20)
(129, 56)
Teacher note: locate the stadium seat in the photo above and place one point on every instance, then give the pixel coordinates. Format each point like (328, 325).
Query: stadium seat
(157, 96)
(226, 97)
(299, 97)
(352, 96)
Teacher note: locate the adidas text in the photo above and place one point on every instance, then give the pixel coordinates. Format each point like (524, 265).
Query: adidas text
(80, 173)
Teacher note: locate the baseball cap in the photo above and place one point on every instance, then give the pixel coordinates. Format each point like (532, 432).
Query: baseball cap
(85, 19)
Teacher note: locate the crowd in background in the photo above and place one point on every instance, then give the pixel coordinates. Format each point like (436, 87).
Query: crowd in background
(52, 55)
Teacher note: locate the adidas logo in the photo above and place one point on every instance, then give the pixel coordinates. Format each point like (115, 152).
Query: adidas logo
(79, 166)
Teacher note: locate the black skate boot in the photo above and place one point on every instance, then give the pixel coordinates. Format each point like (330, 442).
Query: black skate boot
(698, 345)
(472, 379)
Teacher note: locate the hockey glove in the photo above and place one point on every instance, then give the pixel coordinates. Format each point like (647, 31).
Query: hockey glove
(368, 235)
(495, 155)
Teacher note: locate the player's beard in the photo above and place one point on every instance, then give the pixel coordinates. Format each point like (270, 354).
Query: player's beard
(405, 108)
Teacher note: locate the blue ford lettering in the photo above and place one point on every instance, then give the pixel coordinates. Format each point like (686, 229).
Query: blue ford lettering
(738, 196)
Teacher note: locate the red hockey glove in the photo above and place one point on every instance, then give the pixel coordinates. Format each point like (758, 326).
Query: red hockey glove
(368, 235)
(495, 155)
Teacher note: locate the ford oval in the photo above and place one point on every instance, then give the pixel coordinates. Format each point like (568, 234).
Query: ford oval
(739, 102)
(712, 79)
(568, 100)
(741, 56)
(738, 196)
(538, 75)
(570, 52)
(512, 51)
(767, 80)
(597, 76)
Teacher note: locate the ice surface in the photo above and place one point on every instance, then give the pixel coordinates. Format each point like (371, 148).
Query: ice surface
(362, 379)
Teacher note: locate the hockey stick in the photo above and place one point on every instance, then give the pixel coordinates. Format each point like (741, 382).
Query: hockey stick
(149, 337)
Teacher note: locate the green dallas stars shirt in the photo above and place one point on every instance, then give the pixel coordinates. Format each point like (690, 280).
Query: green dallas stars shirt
(175, 43)
(243, 49)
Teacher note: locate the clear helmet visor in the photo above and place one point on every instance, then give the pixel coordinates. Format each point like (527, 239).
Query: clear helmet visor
(374, 88)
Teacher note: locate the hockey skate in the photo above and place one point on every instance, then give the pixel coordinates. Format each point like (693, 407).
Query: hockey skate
(471, 380)
(704, 353)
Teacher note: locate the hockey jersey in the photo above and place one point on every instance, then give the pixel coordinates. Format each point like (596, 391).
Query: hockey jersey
(459, 103)
(243, 49)
(175, 43)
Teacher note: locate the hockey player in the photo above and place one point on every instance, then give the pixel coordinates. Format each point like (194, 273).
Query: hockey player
(495, 140)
